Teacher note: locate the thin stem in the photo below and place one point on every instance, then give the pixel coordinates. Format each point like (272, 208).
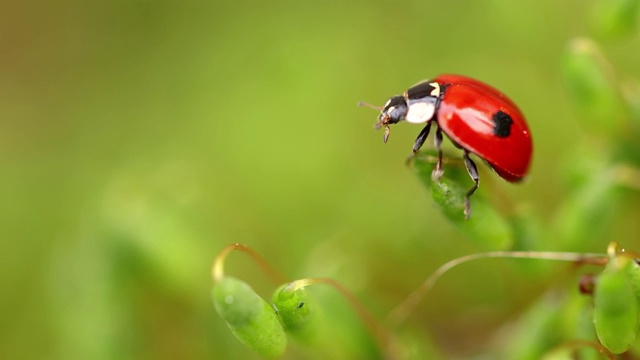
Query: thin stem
(402, 311)
(380, 334)
(217, 269)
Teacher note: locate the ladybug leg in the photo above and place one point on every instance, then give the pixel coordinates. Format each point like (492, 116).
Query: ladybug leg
(437, 141)
(421, 138)
(473, 172)
(419, 141)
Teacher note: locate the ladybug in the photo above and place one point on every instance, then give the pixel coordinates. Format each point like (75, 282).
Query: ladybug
(475, 116)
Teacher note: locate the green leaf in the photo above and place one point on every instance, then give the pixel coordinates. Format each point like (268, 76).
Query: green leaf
(594, 90)
(588, 209)
(251, 319)
(485, 225)
(558, 317)
(615, 313)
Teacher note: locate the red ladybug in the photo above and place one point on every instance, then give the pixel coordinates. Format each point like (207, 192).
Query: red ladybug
(476, 117)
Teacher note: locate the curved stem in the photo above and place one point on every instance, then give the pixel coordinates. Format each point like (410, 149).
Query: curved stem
(379, 333)
(217, 269)
(402, 311)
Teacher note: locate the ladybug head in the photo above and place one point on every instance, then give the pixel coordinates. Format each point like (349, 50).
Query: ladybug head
(393, 112)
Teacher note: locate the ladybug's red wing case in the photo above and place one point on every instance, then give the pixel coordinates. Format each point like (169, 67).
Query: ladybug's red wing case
(485, 122)
(446, 79)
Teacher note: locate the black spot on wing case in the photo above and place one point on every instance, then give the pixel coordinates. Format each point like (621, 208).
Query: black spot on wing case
(501, 124)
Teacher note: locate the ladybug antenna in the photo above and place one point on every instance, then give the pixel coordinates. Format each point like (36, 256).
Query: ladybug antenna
(362, 103)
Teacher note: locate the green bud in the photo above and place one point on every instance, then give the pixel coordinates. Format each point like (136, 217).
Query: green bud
(297, 312)
(251, 319)
(615, 313)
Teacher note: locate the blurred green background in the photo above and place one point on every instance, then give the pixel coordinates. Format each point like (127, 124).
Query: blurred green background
(139, 138)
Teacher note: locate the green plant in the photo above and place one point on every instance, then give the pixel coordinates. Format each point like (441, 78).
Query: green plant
(600, 172)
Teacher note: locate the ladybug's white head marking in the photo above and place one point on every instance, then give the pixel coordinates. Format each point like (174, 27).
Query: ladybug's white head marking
(421, 101)
(420, 112)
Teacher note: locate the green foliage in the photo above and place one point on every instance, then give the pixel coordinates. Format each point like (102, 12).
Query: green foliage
(138, 137)
(560, 324)
(263, 328)
(557, 317)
